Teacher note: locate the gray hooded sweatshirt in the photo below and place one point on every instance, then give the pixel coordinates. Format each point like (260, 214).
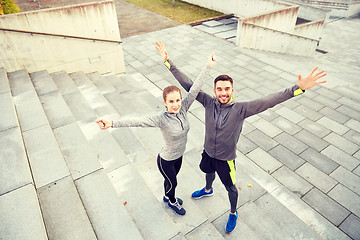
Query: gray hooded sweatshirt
(174, 126)
(223, 122)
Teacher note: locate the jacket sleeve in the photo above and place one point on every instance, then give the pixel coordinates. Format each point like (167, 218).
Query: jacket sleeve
(196, 87)
(269, 101)
(186, 82)
(150, 121)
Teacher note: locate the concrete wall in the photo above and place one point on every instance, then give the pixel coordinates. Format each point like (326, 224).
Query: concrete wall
(243, 8)
(354, 9)
(310, 30)
(282, 20)
(36, 52)
(261, 38)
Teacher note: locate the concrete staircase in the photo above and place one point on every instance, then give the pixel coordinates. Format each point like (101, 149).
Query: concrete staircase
(63, 178)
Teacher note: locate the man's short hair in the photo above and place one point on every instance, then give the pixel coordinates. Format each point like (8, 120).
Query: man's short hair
(223, 78)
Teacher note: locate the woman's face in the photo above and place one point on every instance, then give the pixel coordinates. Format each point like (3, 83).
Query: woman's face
(173, 102)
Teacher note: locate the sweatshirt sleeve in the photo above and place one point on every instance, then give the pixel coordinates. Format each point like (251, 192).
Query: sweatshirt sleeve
(150, 121)
(186, 82)
(196, 87)
(269, 101)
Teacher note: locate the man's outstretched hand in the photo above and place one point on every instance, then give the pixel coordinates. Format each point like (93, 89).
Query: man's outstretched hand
(159, 46)
(311, 80)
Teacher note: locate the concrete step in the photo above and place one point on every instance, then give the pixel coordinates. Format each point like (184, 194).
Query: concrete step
(143, 205)
(290, 200)
(21, 216)
(87, 206)
(284, 218)
(109, 153)
(260, 222)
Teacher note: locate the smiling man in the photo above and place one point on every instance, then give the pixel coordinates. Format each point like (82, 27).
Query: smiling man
(224, 119)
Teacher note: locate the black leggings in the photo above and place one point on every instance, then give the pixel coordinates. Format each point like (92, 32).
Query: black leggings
(169, 170)
(232, 191)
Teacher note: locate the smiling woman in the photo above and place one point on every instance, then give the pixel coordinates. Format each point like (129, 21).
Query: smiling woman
(182, 12)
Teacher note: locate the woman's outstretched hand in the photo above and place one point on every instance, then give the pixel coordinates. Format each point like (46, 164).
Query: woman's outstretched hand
(211, 60)
(104, 124)
(160, 46)
(311, 80)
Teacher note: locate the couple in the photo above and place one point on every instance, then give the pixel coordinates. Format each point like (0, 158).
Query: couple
(223, 123)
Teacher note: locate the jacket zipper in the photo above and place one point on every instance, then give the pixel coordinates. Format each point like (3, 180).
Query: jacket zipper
(180, 122)
(216, 128)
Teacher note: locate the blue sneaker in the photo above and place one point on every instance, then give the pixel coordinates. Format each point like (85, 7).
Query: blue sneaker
(166, 199)
(201, 193)
(176, 207)
(231, 224)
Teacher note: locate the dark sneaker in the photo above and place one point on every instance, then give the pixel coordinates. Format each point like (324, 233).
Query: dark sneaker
(231, 224)
(177, 208)
(166, 199)
(201, 193)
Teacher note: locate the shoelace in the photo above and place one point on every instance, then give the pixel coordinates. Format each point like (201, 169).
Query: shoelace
(177, 205)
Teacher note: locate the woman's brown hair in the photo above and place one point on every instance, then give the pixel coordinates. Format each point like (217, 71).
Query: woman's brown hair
(170, 89)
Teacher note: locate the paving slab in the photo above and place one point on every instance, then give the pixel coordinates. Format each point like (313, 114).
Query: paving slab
(341, 157)
(15, 171)
(78, 154)
(286, 125)
(255, 217)
(308, 215)
(347, 178)
(45, 158)
(29, 110)
(106, 212)
(319, 160)
(7, 109)
(206, 230)
(349, 102)
(266, 127)
(286, 157)
(351, 226)
(4, 82)
(290, 115)
(355, 125)
(314, 128)
(20, 82)
(292, 181)
(21, 219)
(244, 145)
(308, 113)
(312, 140)
(56, 110)
(332, 125)
(326, 206)
(262, 140)
(334, 115)
(43, 82)
(285, 219)
(342, 143)
(264, 160)
(64, 82)
(291, 143)
(79, 107)
(63, 211)
(346, 198)
(350, 112)
(316, 177)
(132, 189)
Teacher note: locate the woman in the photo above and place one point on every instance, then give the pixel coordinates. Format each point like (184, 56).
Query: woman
(174, 126)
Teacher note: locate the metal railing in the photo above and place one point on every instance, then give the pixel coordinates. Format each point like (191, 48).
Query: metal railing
(59, 35)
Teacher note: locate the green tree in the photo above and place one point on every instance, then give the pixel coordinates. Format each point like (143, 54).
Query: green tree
(8, 6)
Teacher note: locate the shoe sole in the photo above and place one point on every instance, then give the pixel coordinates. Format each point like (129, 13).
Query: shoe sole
(207, 195)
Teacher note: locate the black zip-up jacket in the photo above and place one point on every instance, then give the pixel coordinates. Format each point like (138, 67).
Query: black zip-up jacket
(223, 122)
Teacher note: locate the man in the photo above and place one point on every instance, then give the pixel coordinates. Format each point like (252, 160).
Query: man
(223, 124)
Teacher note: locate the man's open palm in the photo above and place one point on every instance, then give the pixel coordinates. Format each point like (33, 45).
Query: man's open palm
(311, 80)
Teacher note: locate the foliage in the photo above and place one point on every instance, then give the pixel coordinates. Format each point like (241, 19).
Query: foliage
(9, 6)
(182, 12)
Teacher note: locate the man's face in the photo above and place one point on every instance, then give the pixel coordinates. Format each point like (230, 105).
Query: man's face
(223, 91)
